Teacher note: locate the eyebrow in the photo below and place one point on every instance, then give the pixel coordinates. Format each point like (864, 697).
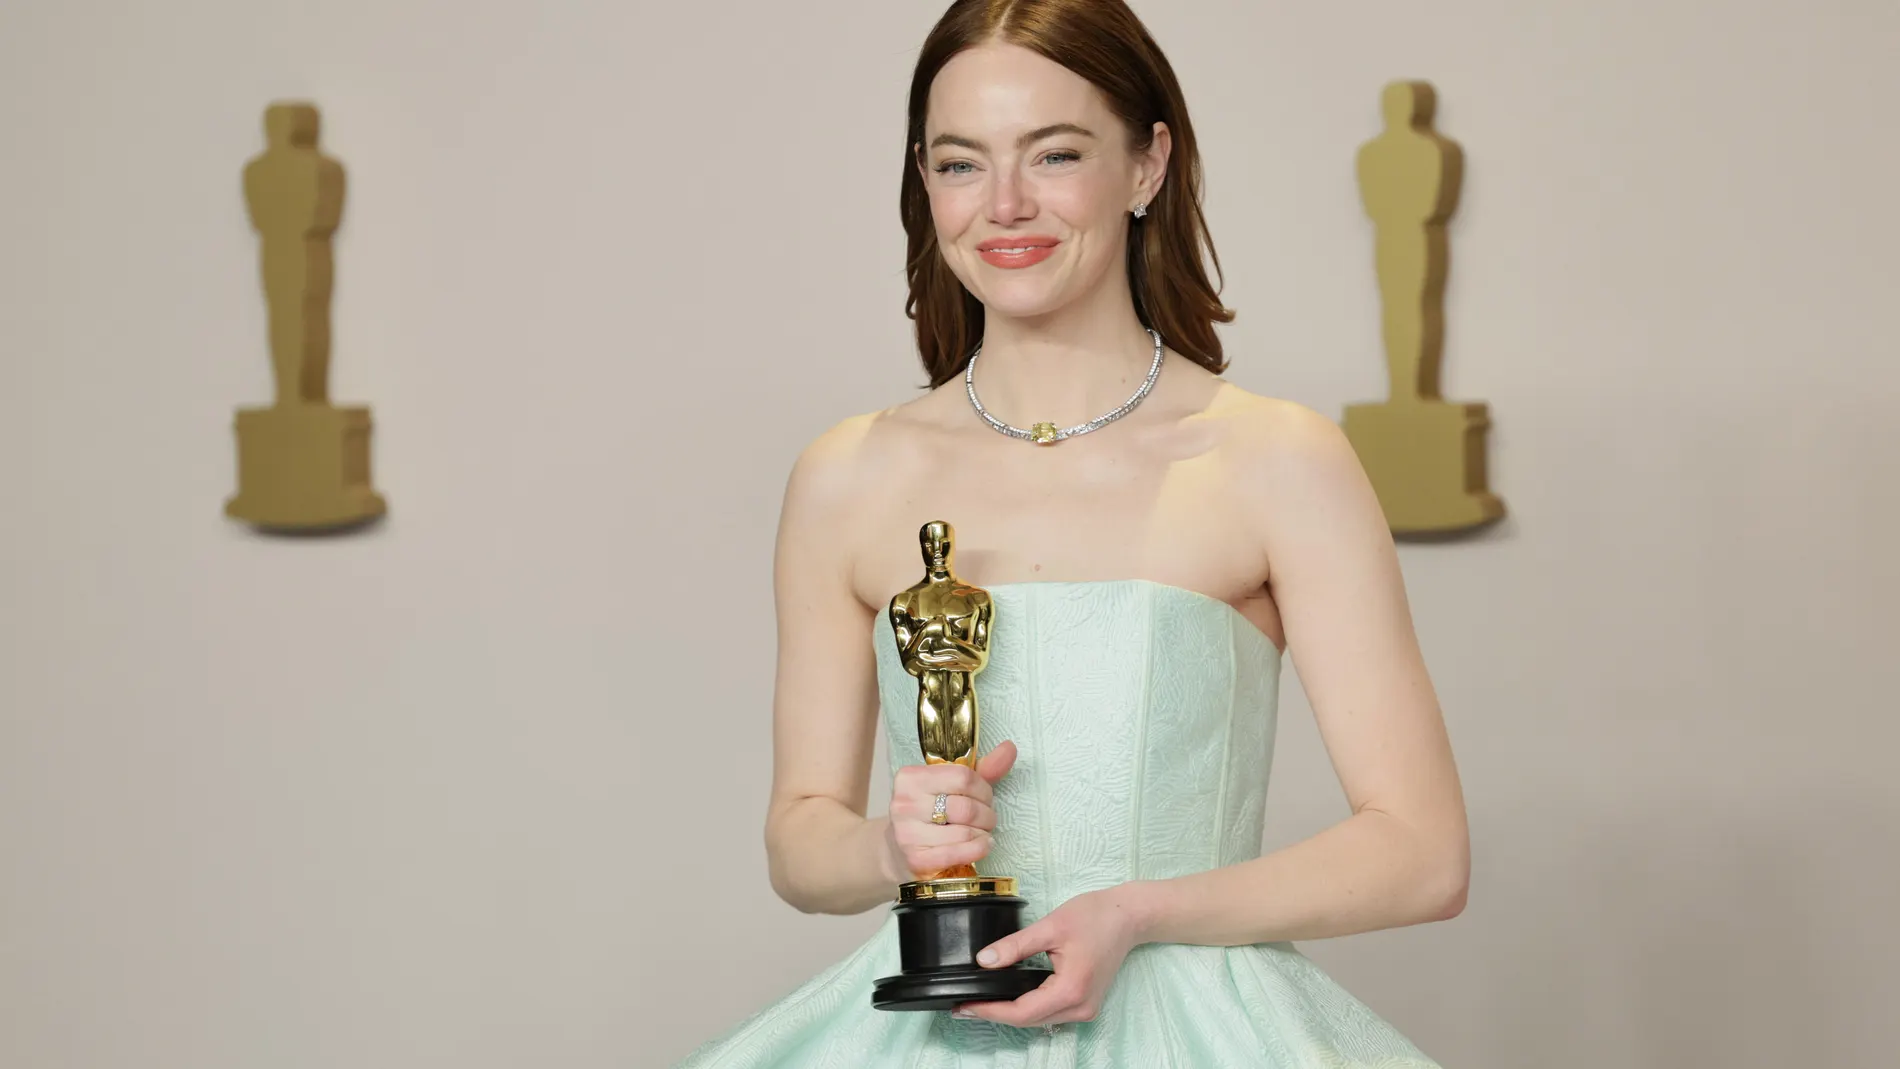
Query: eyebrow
(1024, 141)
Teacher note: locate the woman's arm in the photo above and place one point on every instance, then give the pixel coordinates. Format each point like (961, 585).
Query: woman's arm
(824, 855)
(1403, 856)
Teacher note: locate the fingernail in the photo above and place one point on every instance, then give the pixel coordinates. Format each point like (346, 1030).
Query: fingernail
(963, 1014)
(988, 957)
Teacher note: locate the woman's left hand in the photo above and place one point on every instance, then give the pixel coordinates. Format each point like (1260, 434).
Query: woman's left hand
(1087, 938)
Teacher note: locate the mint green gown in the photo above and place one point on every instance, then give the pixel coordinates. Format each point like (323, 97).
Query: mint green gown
(1144, 718)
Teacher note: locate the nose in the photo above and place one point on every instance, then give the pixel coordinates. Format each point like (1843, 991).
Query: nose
(1012, 198)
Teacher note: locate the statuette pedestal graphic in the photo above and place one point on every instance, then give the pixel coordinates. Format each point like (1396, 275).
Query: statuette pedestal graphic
(1424, 455)
(303, 463)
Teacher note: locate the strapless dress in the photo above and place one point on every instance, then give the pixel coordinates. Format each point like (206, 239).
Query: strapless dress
(1144, 717)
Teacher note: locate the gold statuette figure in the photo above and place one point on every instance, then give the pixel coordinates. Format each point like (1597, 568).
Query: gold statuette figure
(942, 628)
(303, 464)
(1424, 455)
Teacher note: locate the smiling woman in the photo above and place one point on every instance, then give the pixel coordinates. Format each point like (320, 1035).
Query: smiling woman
(1125, 144)
(1151, 548)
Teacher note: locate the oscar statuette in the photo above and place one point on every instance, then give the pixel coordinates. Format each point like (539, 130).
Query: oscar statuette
(942, 626)
(303, 463)
(1424, 455)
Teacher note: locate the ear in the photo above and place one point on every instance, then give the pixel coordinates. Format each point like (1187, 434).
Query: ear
(1153, 168)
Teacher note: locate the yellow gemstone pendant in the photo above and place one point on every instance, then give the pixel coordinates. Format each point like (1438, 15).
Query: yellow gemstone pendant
(1043, 433)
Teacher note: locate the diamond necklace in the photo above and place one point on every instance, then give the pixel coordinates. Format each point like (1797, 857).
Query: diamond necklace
(1047, 433)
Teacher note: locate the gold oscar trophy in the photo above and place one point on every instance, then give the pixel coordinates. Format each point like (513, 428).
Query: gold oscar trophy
(303, 464)
(942, 626)
(1424, 455)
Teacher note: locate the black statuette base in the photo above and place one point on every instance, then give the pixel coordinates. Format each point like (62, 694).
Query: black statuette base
(937, 944)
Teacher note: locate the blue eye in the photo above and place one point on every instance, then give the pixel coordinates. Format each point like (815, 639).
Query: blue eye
(1060, 157)
(947, 168)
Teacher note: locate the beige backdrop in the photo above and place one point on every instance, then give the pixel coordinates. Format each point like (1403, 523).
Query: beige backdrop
(483, 788)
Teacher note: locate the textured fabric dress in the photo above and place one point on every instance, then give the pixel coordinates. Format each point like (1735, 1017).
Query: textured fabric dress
(1144, 719)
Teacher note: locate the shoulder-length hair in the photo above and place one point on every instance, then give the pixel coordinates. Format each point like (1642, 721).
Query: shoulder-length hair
(1102, 41)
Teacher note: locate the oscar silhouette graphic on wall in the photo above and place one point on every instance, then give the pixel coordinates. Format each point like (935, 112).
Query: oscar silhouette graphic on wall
(303, 463)
(1424, 455)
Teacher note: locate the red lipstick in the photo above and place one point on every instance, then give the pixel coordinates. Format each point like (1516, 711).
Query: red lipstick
(1017, 252)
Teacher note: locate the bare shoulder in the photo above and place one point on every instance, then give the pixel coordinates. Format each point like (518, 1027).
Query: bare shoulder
(862, 453)
(827, 467)
(842, 479)
(1302, 496)
(1279, 440)
(812, 561)
(1300, 479)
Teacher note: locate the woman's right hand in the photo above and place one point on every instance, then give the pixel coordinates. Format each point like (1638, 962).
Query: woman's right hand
(914, 845)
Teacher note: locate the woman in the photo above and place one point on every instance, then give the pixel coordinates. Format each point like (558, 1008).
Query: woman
(1147, 567)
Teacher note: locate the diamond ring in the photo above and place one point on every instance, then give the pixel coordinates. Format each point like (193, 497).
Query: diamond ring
(942, 813)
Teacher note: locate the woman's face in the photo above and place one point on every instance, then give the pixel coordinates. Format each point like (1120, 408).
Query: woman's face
(1031, 179)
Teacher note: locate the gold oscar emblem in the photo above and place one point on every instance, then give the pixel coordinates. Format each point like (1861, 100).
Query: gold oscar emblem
(1424, 455)
(303, 464)
(942, 626)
